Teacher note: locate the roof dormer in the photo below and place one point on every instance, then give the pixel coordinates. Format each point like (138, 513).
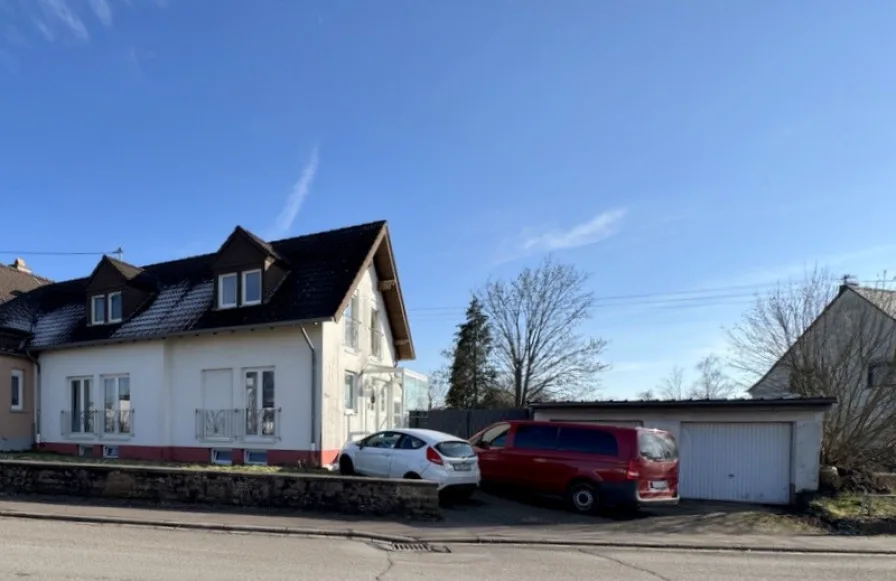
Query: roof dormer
(247, 271)
(115, 290)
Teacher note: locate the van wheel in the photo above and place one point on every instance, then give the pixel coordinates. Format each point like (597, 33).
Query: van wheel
(583, 497)
(346, 468)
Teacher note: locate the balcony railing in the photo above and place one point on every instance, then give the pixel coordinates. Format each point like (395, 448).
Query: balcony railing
(118, 422)
(352, 328)
(232, 424)
(93, 423)
(79, 423)
(376, 343)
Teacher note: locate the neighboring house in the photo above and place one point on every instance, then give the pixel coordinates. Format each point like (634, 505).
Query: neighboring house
(16, 385)
(853, 340)
(848, 352)
(258, 353)
(416, 392)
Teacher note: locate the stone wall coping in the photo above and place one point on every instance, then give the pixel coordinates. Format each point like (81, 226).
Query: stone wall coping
(124, 467)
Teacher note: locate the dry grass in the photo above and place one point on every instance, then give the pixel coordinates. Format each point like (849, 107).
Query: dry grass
(848, 506)
(43, 457)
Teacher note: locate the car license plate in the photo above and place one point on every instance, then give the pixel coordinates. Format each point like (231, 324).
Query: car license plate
(463, 467)
(659, 484)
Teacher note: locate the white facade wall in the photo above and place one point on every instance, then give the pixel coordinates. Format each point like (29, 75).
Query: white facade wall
(166, 384)
(805, 441)
(340, 423)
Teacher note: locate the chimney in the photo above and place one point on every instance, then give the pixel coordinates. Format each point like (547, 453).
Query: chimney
(20, 265)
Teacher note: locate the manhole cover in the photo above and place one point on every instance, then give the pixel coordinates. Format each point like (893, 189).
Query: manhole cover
(412, 548)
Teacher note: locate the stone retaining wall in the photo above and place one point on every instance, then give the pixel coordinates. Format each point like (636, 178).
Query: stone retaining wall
(312, 492)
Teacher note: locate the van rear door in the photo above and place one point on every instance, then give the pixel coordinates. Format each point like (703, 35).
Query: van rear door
(658, 470)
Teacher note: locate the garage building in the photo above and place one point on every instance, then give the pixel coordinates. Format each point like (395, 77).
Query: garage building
(750, 450)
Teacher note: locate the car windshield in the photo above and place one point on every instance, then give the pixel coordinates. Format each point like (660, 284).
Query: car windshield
(455, 449)
(657, 446)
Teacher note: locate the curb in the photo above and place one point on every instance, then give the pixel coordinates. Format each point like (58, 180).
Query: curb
(471, 540)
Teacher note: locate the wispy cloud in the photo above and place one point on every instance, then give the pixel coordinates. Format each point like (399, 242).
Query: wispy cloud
(594, 230)
(102, 10)
(61, 13)
(297, 196)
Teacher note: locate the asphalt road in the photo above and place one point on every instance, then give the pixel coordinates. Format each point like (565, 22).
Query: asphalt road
(43, 550)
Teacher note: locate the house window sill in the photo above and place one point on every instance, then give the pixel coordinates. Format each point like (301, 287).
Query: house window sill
(352, 350)
(215, 439)
(82, 437)
(117, 437)
(18, 411)
(259, 439)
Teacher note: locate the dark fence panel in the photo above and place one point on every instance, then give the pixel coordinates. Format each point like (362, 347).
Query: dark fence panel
(463, 423)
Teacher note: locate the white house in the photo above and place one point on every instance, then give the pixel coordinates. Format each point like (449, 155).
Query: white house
(259, 353)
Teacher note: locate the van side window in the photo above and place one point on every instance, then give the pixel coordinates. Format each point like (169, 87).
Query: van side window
(535, 437)
(587, 441)
(496, 437)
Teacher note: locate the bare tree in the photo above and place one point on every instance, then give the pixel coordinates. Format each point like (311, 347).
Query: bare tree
(646, 395)
(712, 382)
(536, 318)
(820, 338)
(437, 389)
(672, 386)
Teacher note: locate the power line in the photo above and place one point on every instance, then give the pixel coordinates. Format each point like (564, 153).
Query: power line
(671, 299)
(57, 252)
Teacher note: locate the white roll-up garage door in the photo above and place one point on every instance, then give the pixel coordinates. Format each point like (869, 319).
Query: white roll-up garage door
(740, 462)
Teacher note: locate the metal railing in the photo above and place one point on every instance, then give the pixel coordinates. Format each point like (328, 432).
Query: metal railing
(79, 423)
(232, 424)
(109, 422)
(352, 328)
(376, 343)
(263, 423)
(216, 424)
(118, 422)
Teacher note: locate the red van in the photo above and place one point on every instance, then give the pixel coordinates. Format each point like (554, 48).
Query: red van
(590, 465)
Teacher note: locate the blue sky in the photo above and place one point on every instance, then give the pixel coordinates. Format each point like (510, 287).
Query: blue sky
(662, 147)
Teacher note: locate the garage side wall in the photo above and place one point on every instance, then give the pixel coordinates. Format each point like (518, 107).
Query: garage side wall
(805, 445)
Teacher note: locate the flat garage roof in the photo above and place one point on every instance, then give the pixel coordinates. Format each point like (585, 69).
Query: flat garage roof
(813, 403)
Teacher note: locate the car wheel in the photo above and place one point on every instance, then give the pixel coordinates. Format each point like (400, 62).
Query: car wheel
(583, 497)
(346, 468)
(412, 476)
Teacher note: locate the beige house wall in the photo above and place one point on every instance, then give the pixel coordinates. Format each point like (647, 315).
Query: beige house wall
(16, 432)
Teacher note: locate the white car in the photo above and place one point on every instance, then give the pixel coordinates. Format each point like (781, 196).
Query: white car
(419, 454)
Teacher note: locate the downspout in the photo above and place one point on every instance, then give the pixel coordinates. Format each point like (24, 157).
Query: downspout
(35, 422)
(315, 413)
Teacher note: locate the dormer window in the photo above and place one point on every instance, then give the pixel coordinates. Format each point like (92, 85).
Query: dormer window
(251, 287)
(98, 309)
(114, 300)
(227, 291)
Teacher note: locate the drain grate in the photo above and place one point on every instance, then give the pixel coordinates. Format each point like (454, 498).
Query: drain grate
(412, 548)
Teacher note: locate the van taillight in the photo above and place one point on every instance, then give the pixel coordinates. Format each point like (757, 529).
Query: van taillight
(434, 456)
(633, 472)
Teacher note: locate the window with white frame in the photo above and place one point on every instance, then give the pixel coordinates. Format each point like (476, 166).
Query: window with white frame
(376, 338)
(261, 415)
(17, 390)
(251, 287)
(227, 291)
(117, 405)
(351, 391)
(115, 309)
(98, 309)
(352, 324)
(256, 458)
(110, 452)
(222, 457)
(81, 410)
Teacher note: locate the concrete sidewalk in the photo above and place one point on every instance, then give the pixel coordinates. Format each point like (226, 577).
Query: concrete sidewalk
(390, 531)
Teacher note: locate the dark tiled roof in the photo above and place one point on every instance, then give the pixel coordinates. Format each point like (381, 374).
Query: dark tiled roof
(323, 267)
(14, 281)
